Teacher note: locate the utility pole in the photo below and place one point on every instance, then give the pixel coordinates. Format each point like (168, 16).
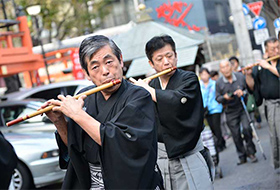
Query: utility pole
(241, 32)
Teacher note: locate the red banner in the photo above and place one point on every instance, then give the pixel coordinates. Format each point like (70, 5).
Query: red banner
(176, 13)
(77, 69)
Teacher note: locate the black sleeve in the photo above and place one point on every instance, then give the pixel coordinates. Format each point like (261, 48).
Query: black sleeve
(257, 89)
(8, 162)
(184, 102)
(180, 112)
(278, 69)
(128, 151)
(63, 152)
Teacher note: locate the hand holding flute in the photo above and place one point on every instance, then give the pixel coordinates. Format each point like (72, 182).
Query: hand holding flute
(48, 108)
(58, 116)
(262, 63)
(145, 83)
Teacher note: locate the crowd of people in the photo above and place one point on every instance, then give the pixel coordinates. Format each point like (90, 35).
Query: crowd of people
(254, 85)
(146, 134)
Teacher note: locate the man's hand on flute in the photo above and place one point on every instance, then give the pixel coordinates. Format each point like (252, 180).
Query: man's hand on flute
(68, 105)
(264, 64)
(55, 117)
(145, 84)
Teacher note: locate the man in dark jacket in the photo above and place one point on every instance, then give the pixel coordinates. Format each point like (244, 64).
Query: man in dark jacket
(229, 88)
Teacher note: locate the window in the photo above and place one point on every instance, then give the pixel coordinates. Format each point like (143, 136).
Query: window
(220, 14)
(47, 94)
(13, 112)
(71, 90)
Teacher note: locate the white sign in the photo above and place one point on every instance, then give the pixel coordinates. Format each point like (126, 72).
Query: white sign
(249, 23)
(261, 35)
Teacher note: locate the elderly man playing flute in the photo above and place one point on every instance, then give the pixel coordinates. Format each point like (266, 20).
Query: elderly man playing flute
(107, 140)
(179, 112)
(264, 81)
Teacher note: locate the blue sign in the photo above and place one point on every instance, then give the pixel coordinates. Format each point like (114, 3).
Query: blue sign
(245, 8)
(259, 23)
(277, 23)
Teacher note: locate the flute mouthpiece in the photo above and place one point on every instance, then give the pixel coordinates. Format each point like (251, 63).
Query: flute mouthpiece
(173, 68)
(118, 81)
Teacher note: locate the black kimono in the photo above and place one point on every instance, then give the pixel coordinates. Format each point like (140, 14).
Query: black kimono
(179, 112)
(129, 145)
(8, 162)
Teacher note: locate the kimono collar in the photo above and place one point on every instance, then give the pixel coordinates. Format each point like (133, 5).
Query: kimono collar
(107, 105)
(160, 83)
(170, 79)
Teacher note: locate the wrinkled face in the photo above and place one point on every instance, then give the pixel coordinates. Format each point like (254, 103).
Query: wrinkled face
(272, 49)
(226, 68)
(104, 67)
(163, 59)
(204, 76)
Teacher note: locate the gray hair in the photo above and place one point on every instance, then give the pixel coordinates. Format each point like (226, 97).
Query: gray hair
(270, 40)
(92, 44)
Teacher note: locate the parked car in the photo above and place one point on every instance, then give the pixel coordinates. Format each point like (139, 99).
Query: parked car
(34, 143)
(33, 139)
(38, 161)
(49, 91)
(10, 110)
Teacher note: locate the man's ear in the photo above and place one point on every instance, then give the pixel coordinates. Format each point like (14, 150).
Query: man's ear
(151, 64)
(121, 61)
(176, 57)
(85, 73)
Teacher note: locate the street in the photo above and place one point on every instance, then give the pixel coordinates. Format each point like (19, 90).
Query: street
(249, 176)
(253, 176)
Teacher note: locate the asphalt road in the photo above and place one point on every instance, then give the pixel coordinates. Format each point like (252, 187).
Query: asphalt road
(253, 176)
(249, 176)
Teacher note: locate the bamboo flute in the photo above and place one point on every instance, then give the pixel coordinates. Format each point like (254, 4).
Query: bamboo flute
(160, 73)
(156, 75)
(89, 92)
(255, 64)
(39, 112)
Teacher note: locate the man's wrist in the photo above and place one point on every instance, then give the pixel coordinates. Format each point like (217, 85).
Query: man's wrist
(60, 121)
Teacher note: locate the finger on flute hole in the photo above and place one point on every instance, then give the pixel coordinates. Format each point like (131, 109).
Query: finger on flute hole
(39, 110)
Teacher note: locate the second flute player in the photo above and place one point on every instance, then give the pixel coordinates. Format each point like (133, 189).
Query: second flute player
(264, 82)
(179, 112)
(109, 141)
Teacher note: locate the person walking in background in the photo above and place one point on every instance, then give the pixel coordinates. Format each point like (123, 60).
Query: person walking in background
(229, 88)
(214, 75)
(235, 63)
(212, 108)
(264, 81)
(179, 112)
(224, 128)
(251, 106)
